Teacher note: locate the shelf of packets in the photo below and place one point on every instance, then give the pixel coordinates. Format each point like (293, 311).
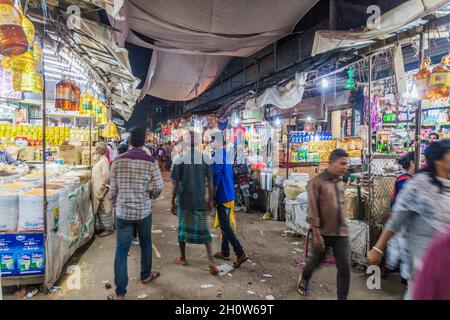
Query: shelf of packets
(33, 135)
(322, 148)
(353, 146)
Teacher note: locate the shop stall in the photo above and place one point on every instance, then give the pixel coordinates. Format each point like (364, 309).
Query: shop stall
(52, 106)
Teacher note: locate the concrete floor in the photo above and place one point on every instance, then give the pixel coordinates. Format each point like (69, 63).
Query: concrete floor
(270, 250)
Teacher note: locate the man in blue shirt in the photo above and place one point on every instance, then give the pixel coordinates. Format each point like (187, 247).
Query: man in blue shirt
(224, 191)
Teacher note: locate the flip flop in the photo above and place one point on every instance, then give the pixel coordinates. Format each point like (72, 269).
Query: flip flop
(180, 262)
(153, 276)
(214, 270)
(105, 233)
(240, 261)
(219, 255)
(115, 297)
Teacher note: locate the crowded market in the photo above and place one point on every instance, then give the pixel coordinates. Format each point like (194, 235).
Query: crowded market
(299, 164)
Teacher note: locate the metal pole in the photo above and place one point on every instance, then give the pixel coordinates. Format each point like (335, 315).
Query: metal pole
(369, 116)
(90, 142)
(418, 123)
(369, 160)
(288, 156)
(44, 149)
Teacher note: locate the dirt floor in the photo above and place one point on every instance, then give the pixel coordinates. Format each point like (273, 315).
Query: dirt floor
(270, 270)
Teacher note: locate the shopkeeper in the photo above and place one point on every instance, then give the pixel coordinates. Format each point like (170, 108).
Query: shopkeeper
(102, 206)
(5, 156)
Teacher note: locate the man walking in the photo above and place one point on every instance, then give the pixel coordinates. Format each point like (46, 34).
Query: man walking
(135, 180)
(225, 196)
(191, 177)
(327, 219)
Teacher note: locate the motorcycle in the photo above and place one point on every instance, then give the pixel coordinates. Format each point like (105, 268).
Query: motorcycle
(245, 186)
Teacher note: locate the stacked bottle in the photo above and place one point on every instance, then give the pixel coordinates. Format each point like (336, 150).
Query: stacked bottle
(75, 97)
(63, 95)
(13, 40)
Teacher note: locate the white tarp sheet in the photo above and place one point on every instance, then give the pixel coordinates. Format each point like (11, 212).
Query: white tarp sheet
(181, 77)
(391, 21)
(282, 97)
(211, 31)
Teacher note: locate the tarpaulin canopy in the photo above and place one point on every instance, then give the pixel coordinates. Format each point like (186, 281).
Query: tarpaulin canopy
(285, 97)
(193, 40)
(399, 17)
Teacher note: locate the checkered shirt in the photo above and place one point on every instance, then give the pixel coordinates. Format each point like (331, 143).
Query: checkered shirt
(135, 180)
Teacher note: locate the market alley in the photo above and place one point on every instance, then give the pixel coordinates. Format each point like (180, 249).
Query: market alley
(271, 270)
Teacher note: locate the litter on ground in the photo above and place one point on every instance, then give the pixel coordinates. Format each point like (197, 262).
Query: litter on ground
(206, 286)
(142, 296)
(267, 275)
(270, 297)
(224, 269)
(298, 262)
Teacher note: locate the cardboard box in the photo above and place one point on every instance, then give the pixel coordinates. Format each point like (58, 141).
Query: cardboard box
(22, 254)
(71, 154)
(26, 154)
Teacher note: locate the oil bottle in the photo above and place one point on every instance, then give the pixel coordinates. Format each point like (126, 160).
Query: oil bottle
(13, 40)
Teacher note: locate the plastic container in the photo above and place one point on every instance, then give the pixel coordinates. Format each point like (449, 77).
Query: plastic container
(16, 187)
(9, 214)
(13, 40)
(63, 91)
(31, 208)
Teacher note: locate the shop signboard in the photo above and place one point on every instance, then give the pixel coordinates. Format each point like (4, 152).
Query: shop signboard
(252, 115)
(22, 254)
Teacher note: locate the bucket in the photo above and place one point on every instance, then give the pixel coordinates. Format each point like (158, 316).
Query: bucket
(31, 208)
(9, 213)
(16, 187)
(266, 181)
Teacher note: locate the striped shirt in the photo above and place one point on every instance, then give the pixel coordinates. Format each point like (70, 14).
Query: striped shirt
(135, 180)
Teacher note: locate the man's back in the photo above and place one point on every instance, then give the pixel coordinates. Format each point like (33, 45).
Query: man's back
(135, 179)
(191, 171)
(223, 177)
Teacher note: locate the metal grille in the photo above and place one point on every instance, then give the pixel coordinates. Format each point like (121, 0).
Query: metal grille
(383, 172)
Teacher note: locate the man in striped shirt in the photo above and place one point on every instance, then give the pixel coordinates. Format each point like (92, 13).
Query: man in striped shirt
(135, 181)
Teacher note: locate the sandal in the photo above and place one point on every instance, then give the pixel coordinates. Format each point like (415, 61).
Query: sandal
(219, 255)
(240, 261)
(115, 297)
(153, 276)
(213, 269)
(105, 233)
(302, 287)
(179, 261)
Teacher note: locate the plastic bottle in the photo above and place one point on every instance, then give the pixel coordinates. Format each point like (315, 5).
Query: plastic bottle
(62, 100)
(13, 40)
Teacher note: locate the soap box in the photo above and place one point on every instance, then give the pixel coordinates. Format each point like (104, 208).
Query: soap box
(7, 254)
(22, 254)
(30, 257)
